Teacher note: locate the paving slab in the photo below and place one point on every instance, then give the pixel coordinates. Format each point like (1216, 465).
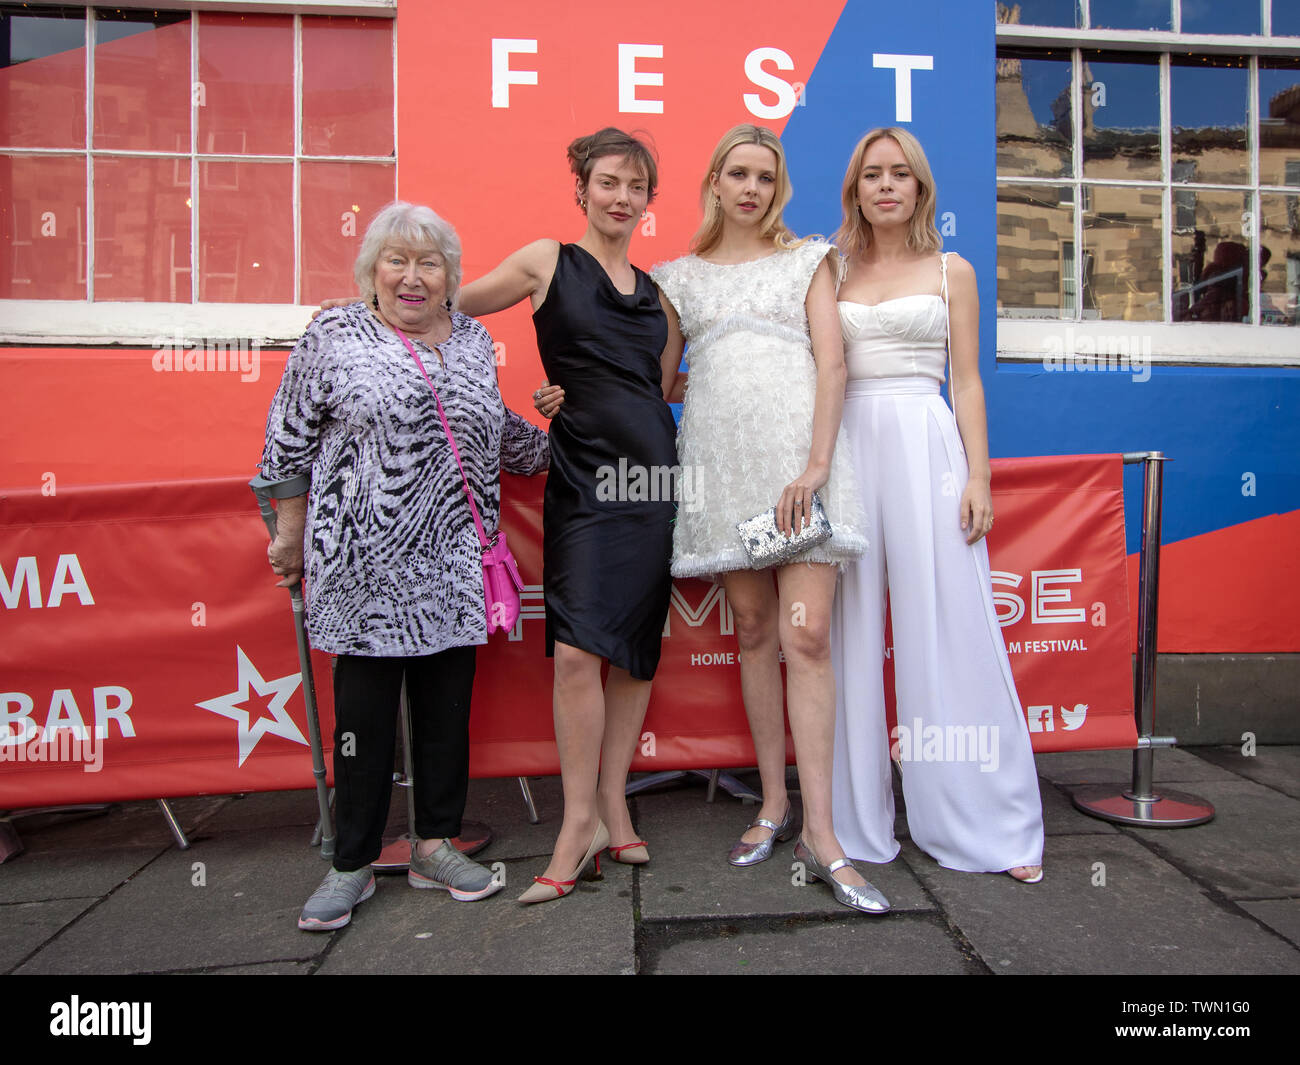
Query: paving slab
(256, 883)
(688, 875)
(1274, 767)
(127, 824)
(798, 945)
(402, 930)
(269, 968)
(499, 803)
(1116, 767)
(1250, 850)
(72, 873)
(1281, 915)
(268, 809)
(1062, 818)
(1146, 918)
(27, 925)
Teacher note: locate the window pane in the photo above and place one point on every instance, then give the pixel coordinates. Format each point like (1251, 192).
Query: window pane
(347, 86)
(1132, 14)
(43, 227)
(1279, 122)
(1033, 114)
(1041, 13)
(338, 202)
(1286, 18)
(42, 78)
(1216, 16)
(142, 229)
(1122, 254)
(1209, 118)
(246, 232)
(1121, 117)
(142, 81)
(1279, 255)
(1211, 257)
(1035, 252)
(245, 90)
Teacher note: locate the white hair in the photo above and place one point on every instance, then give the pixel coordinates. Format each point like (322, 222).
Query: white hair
(415, 226)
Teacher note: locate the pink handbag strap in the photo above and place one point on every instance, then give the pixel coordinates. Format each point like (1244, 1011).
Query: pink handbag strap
(478, 522)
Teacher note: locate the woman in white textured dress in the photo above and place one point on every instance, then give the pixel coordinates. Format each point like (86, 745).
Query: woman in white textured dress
(759, 427)
(972, 805)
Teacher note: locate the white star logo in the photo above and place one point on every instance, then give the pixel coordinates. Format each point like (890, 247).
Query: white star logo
(278, 724)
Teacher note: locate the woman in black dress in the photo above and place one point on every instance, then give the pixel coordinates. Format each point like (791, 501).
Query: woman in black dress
(601, 333)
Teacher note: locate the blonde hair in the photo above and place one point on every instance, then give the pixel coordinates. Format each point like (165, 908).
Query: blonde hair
(854, 235)
(771, 225)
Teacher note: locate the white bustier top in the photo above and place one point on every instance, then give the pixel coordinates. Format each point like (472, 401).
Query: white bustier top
(904, 337)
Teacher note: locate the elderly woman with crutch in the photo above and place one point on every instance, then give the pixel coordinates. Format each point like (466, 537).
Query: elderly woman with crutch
(393, 561)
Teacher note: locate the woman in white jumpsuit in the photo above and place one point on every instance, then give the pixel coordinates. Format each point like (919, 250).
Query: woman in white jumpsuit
(969, 779)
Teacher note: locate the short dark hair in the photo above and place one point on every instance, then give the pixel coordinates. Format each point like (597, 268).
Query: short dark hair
(584, 152)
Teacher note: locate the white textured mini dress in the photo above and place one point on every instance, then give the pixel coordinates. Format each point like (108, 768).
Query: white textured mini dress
(746, 426)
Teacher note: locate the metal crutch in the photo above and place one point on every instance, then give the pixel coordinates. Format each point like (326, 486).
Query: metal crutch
(265, 491)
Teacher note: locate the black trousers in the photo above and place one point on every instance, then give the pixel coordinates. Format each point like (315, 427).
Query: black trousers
(367, 694)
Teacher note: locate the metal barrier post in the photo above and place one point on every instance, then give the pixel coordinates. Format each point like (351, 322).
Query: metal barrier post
(1141, 805)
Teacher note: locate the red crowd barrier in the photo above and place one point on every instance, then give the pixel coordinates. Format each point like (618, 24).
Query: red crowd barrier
(147, 652)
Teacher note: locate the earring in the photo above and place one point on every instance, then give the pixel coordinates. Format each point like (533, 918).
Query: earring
(375, 300)
(582, 204)
(447, 303)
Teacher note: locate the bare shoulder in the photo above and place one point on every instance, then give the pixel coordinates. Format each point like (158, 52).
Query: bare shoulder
(959, 270)
(538, 258)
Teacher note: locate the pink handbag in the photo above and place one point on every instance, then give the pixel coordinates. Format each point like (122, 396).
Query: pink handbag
(501, 581)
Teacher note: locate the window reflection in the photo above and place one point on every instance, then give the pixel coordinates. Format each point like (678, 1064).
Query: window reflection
(1286, 18)
(42, 78)
(245, 233)
(1122, 254)
(1212, 262)
(1215, 16)
(1041, 13)
(1132, 14)
(1035, 251)
(43, 226)
(142, 229)
(1279, 122)
(347, 86)
(1208, 109)
(1033, 114)
(1121, 117)
(1279, 256)
(142, 81)
(246, 85)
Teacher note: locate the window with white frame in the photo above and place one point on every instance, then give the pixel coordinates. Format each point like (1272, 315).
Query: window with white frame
(223, 160)
(1148, 171)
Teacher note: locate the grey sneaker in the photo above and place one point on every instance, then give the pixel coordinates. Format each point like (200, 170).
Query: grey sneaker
(330, 905)
(448, 869)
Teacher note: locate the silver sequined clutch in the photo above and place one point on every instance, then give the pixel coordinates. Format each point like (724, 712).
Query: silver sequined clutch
(768, 546)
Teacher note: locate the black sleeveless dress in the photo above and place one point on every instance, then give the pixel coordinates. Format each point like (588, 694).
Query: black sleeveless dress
(607, 541)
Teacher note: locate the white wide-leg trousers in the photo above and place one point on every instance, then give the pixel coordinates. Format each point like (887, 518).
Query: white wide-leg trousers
(969, 779)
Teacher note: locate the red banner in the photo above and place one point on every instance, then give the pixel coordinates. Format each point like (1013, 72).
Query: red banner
(147, 652)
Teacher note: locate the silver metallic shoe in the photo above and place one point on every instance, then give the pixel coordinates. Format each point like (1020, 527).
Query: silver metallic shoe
(743, 853)
(867, 899)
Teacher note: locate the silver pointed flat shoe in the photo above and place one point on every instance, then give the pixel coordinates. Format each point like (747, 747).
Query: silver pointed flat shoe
(743, 854)
(867, 899)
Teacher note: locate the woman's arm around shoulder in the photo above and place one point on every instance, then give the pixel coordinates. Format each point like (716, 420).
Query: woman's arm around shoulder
(525, 449)
(674, 380)
(524, 273)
